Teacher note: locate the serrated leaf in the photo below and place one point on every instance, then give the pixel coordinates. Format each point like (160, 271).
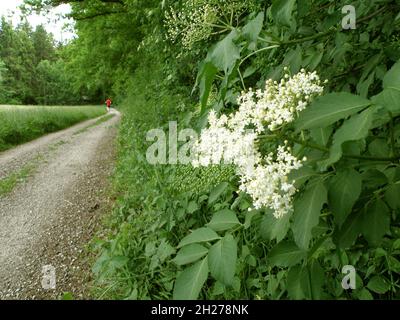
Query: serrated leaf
(378, 285)
(189, 283)
(389, 99)
(295, 278)
(348, 233)
(392, 196)
(344, 190)
(376, 222)
(379, 148)
(253, 28)
(307, 208)
(272, 228)
(225, 53)
(190, 253)
(281, 11)
(394, 264)
(316, 282)
(364, 294)
(199, 235)
(353, 129)
(285, 254)
(223, 220)
(330, 108)
(205, 78)
(217, 192)
(222, 260)
(321, 135)
(249, 218)
(300, 176)
(392, 77)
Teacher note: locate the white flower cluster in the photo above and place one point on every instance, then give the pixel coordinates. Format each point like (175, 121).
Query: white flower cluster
(191, 24)
(233, 140)
(279, 102)
(196, 19)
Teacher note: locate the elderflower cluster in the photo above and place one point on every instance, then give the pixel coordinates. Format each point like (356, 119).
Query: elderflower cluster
(279, 103)
(196, 19)
(268, 184)
(233, 140)
(191, 24)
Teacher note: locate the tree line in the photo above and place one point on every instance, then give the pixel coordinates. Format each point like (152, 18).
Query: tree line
(36, 69)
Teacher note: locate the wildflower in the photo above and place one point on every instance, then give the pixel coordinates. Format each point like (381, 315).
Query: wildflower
(196, 19)
(233, 140)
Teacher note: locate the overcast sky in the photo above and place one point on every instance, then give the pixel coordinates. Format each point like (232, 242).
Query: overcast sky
(53, 24)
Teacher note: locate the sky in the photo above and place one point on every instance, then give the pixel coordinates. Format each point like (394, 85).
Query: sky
(51, 21)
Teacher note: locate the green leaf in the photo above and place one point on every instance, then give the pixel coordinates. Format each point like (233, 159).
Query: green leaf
(281, 11)
(253, 28)
(364, 294)
(321, 135)
(305, 282)
(378, 285)
(272, 228)
(316, 282)
(389, 99)
(392, 77)
(376, 222)
(394, 264)
(118, 261)
(348, 233)
(344, 190)
(285, 254)
(307, 208)
(249, 218)
(199, 235)
(392, 196)
(379, 148)
(190, 253)
(223, 220)
(363, 86)
(205, 80)
(294, 59)
(296, 276)
(217, 192)
(302, 175)
(222, 260)
(192, 207)
(225, 53)
(190, 281)
(353, 129)
(374, 179)
(330, 108)
(67, 296)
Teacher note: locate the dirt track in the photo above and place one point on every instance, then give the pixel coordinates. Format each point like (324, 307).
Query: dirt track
(49, 219)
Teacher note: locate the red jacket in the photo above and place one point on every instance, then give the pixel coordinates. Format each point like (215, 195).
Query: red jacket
(108, 102)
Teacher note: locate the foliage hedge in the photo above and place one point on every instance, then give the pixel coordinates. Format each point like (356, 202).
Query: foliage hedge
(181, 232)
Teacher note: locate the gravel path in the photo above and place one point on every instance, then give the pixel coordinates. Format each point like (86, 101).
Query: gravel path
(50, 219)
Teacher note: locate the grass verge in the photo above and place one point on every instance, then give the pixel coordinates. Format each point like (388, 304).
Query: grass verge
(8, 184)
(23, 124)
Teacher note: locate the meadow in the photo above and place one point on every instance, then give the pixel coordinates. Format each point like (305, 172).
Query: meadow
(20, 124)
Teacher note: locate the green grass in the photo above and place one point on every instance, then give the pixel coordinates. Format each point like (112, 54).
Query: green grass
(20, 124)
(9, 183)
